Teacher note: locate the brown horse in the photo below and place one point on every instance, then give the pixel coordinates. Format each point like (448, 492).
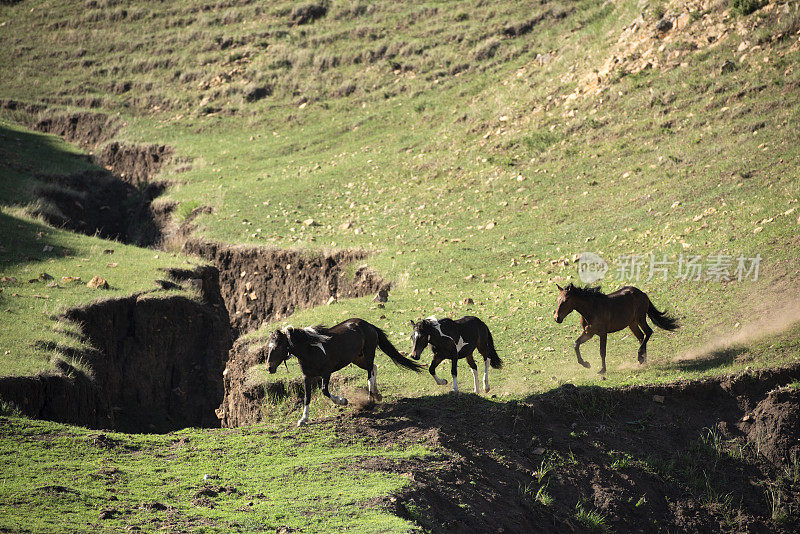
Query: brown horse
(602, 314)
(322, 351)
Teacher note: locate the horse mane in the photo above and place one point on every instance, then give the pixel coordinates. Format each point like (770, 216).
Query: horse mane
(587, 291)
(310, 334)
(434, 322)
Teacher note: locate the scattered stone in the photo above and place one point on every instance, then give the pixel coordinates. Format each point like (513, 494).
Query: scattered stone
(310, 222)
(8, 280)
(664, 25)
(97, 283)
(47, 248)
(538, 451)
(70, 279)
(469, 277)
(331, 300)
(346, 225)
(490, 225)
(382, 296)
(112, 264)
(658, 398)
(728, 66)
(682, 21)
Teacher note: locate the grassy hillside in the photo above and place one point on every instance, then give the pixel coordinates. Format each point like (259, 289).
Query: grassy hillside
(475, 150)
(476, 156)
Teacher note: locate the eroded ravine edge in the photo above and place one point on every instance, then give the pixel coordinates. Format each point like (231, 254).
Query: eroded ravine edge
(157, 360)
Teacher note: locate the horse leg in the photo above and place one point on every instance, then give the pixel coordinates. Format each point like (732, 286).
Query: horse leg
(474, 368)
(306, 400)
(372, 384)
(454, 372)
(603, 339)
(341, 401)
(638, 333)
(583, 338)
(486, 375)
(432, 370)
(647, 333)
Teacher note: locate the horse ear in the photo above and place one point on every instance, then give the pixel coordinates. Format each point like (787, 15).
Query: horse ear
(412, 322)
(559, 287)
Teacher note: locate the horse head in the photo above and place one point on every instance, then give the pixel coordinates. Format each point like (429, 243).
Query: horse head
(277, 349)
(565, 303)
(419, 338)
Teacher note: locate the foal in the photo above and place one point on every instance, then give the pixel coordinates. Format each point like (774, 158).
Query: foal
(602, 314)
(322, 351)
(453, 340)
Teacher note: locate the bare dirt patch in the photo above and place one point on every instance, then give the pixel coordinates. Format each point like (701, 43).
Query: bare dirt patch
(261, 284)
(688, 456)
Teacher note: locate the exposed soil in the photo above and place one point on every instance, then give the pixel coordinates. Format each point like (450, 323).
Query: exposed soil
(260, 284)
(156, 361)
(691, 456)
(134, 164)
(85, 129)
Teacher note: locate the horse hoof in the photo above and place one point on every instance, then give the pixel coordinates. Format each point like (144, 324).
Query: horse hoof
(377, 397)
(602, 372)
(486, 389)
(586, 364)
(643, 358)
(343, 402)
(302, 422)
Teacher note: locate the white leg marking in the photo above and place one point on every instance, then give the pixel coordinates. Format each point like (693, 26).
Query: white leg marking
(440, 381)
(486, 376)
(373, 384)
(303, 420)
(341, 401)
(455, 384)
(475, 378)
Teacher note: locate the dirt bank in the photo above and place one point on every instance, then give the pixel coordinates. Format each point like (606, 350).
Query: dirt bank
(707, 455)
(156, 361)
(260, 284)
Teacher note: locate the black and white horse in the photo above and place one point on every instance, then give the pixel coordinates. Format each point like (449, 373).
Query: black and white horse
(453, 340)
(322, 351)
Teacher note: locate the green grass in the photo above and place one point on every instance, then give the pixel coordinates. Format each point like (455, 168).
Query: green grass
(56, 478)
(420, 174)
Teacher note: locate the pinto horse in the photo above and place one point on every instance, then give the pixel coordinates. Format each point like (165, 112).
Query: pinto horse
(602, 314)
(322, 351)
(453, 340)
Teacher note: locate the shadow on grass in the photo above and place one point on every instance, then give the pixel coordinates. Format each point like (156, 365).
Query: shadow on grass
(527, 465)
(721, 357)
(25, 241)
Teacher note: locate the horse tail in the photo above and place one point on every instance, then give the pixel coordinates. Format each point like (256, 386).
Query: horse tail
(494, 358)
(662, 319)
(387, 347)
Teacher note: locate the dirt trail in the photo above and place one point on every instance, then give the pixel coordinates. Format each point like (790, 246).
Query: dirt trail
(693, 456)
